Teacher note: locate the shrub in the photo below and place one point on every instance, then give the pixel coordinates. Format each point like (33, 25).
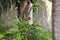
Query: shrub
(24, 31)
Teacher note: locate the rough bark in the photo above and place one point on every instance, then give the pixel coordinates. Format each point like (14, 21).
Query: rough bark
(26, 11)
(8, 11)
(43, 16)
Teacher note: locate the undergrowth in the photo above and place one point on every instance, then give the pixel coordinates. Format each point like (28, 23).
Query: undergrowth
(24, 31)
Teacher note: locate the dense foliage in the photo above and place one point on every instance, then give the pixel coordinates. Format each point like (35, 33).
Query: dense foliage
(24, 31)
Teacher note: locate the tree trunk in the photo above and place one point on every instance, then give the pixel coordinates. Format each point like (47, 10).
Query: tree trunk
(43, 16)
(26, 11)
(8, 12)
(56, 20)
